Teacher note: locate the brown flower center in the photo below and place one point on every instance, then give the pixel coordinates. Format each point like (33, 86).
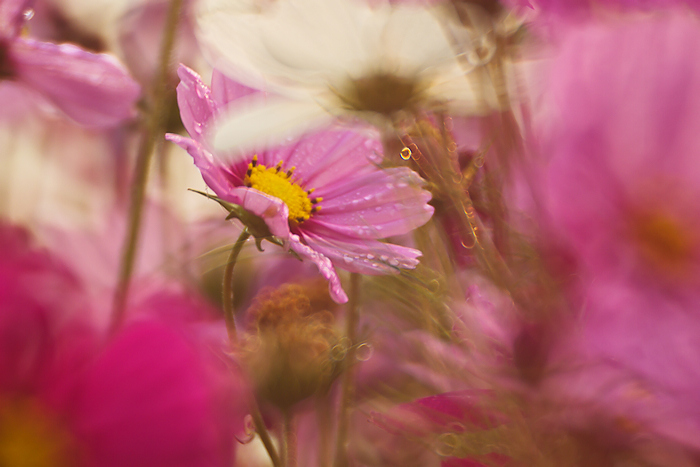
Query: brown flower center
(382, 93)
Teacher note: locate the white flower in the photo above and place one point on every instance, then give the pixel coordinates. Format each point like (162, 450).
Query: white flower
(320, 59)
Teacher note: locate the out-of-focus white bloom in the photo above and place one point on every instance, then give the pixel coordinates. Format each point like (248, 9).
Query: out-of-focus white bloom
(325, 58)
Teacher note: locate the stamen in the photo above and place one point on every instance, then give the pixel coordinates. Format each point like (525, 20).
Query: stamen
(277, 182)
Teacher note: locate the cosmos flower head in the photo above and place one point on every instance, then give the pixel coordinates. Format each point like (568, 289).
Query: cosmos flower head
(623, 179)
(93, 89)
(327, 58)
(323, 195)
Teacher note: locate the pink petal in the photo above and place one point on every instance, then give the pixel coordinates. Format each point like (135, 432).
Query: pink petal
(272, 210)
(325, 267)
(362, 256)
(195, 101)
(325, 157)
(377, 205)
(214, 174)
(92, 89)
(146, 403)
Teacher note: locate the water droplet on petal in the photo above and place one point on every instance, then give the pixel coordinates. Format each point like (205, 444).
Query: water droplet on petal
(406, 153)
(347, 259)
(28, 14)
(394, 262)
(378, 208)
(370, 256)
(364, 352)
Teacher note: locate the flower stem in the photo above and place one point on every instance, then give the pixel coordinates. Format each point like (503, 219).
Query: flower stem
(290, 439)
(227, 293)
(348, 382)
(227, 299)
(155, 128)
(261, 430)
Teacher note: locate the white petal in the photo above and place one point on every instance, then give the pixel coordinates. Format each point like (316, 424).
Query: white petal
(294, 43)
(256, 123)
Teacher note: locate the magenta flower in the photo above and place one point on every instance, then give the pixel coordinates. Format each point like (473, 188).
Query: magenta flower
(323, 195)
(148, 397)
(92, 89)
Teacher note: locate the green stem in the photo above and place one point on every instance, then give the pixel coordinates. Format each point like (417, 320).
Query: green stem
(155, 128)
(227, 289)
(348, 382)
(227, 299)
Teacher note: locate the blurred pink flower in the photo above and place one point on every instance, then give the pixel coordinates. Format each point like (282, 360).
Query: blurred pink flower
(623, 181)
(354, 203)
(149, 396)
(622, 187)
(92, 89)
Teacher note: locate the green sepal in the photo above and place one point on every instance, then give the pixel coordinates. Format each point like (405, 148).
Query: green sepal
(256, 225)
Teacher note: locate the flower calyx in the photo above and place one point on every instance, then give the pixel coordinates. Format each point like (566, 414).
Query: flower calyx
(255, 224)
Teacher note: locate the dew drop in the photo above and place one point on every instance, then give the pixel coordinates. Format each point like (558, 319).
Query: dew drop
(446, 444)
(370, 256)
(394, 262)
(456, 427)
(384, 258)
(28, 14)
(368, 197)
(378, 208)
(469, 211)
(406, 153)
(364, 352)
(347, 259)
(479, 161)
(468, 244)
(248, 425)
(340, 350)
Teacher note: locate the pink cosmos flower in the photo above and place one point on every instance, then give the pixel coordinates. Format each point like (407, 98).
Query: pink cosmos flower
(148, 397)
(623, 182)
(322, 195)
(92, 89)
(622, 186)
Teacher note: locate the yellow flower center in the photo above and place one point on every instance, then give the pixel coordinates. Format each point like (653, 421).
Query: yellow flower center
(276, 182)
(31, 438)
